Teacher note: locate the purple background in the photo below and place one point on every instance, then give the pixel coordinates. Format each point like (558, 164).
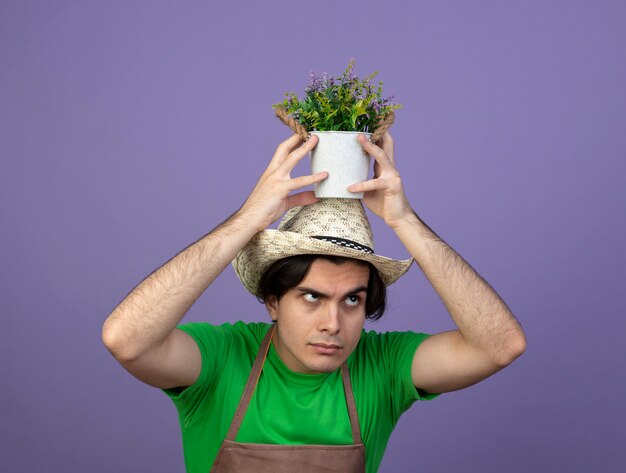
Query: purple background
(129, 129)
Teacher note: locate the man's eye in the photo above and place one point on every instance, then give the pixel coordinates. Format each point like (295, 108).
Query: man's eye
(353, 300)
(310, 297)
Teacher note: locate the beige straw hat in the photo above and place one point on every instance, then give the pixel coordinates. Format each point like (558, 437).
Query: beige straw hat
(336, 227)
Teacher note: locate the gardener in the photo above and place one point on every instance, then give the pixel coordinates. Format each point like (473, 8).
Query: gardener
(320, 393)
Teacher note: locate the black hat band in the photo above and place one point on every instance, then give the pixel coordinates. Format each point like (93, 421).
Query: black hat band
(346, 243)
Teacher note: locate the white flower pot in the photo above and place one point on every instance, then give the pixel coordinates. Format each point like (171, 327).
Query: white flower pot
(341, 155)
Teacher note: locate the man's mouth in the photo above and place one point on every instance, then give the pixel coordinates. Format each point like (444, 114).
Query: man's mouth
(326, 348)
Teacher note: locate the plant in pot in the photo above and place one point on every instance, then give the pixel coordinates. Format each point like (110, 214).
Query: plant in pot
(337, 110)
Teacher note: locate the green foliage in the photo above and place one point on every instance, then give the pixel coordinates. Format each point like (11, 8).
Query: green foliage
(343, 104)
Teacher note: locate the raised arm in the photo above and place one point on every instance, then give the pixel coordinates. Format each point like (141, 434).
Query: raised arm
(141, 331)
(488, 336)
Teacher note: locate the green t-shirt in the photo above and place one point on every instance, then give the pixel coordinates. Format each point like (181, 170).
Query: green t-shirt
(289, 407)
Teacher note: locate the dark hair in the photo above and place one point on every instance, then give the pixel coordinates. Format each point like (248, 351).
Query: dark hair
(287, 273)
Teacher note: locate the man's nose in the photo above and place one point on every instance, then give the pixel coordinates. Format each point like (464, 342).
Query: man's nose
(330, 319)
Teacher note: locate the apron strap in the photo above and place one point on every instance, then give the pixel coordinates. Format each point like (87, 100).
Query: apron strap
(250, 385)
(254, 378)
(354, 417)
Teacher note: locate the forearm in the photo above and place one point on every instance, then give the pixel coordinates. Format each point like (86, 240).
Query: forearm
(152, 310)
(482, 317)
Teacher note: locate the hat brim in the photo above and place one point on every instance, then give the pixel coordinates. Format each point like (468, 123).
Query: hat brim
(269, 246)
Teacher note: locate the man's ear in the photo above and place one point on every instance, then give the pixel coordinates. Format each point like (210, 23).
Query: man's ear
(271, 304)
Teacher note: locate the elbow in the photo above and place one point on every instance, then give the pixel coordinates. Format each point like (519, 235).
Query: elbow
(514, 347)
(115, 343)
(109, 338)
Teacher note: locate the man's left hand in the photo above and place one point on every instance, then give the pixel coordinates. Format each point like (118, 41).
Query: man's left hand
(384, 194)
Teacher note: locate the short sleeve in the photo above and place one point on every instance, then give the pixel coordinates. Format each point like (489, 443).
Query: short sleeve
(397, 350)
(406, 368)
(214, 343)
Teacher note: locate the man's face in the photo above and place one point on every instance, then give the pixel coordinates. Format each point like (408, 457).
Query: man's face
(319, 321)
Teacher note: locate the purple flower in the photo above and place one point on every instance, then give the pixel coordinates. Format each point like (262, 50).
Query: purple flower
(319, 83)
(315, 84)
(376, 106)
(386, 102)
(327, 80)
(349, 75)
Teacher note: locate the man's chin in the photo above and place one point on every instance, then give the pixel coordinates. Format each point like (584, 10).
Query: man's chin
(325, 367)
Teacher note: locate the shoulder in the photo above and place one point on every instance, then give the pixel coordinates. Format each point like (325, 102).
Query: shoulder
(235, 334)
(242, 328)
(387, 358)
(388, 342)
(386, 351)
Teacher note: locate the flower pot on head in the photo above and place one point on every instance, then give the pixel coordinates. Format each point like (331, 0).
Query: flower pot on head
(342, 156)
(348, 106)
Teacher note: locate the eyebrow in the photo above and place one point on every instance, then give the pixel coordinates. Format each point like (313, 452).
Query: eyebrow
(305, 290)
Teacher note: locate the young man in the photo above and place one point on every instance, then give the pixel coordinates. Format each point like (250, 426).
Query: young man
(312, 391)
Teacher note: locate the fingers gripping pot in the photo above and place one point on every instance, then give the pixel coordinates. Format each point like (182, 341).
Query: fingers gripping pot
(338, 153)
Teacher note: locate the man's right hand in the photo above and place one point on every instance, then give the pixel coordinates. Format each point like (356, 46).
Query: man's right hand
(270, 198)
